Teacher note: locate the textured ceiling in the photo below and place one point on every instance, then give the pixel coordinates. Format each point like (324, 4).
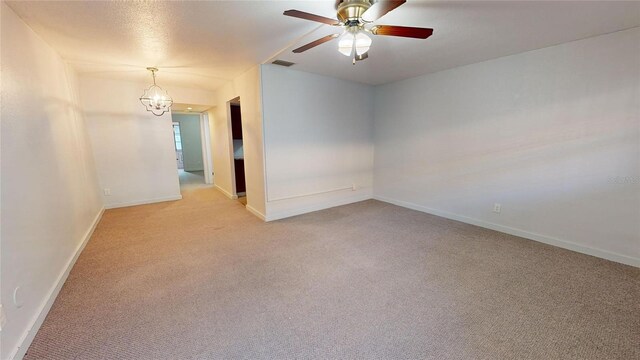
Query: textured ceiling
(197, 44)
(205, 44)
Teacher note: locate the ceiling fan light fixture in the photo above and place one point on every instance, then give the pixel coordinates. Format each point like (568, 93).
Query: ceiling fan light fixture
(350, 41)
(363, 43)
(345, 45)
(354, 16)
(155, 99)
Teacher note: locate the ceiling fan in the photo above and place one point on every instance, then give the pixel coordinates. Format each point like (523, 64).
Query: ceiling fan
(355, 16)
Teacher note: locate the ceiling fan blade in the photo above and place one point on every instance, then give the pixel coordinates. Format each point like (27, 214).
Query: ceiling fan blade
(313, 44)
(307, 16)
(403, 31)
(380, 8)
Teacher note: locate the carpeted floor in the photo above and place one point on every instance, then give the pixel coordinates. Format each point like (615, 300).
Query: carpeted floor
(202, 278)
(191, 179)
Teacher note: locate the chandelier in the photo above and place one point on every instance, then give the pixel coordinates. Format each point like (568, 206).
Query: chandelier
(155, 99)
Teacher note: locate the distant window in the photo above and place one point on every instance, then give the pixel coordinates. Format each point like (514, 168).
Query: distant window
(177, 137)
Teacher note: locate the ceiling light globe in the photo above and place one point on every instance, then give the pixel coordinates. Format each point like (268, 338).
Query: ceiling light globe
(345, 45)
(363, 43)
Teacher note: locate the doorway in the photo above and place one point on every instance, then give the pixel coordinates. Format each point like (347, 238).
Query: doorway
(177, 141)
(238, 150)
(189, 154)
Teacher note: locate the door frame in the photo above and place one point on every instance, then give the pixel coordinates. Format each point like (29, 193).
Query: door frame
(205, 136)
(173, 125)
(205, 140)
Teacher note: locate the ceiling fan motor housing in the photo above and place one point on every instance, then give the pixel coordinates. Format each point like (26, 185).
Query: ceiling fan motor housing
(350, 11)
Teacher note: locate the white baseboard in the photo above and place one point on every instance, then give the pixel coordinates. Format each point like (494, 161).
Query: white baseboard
(28, 336)
(256, 213)
(271, 216)
(225, 192)
(143, 202)
(565, 244)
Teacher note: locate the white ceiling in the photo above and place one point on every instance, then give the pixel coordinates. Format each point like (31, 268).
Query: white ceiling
(189, 108)
(205, 44)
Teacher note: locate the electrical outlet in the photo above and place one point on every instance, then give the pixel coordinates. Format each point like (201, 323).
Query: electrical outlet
(107, 192)
(497, 208)
(353, 187)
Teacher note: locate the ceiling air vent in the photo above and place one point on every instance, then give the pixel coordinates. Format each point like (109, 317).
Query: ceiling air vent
(283, 63)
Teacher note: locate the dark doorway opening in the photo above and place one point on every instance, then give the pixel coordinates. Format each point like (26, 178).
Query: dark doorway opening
(238, 151)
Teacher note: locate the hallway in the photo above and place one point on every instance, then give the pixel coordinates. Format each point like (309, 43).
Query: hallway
(203, 278)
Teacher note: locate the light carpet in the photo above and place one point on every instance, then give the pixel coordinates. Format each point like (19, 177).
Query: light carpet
(202, 278)
(191, 179)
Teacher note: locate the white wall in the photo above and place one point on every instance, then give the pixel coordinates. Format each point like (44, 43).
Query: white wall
(134, 149)
(191, 140)
(247, 87)
(50, 199)
(318, 138)
(221, 149)
(552, 134)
